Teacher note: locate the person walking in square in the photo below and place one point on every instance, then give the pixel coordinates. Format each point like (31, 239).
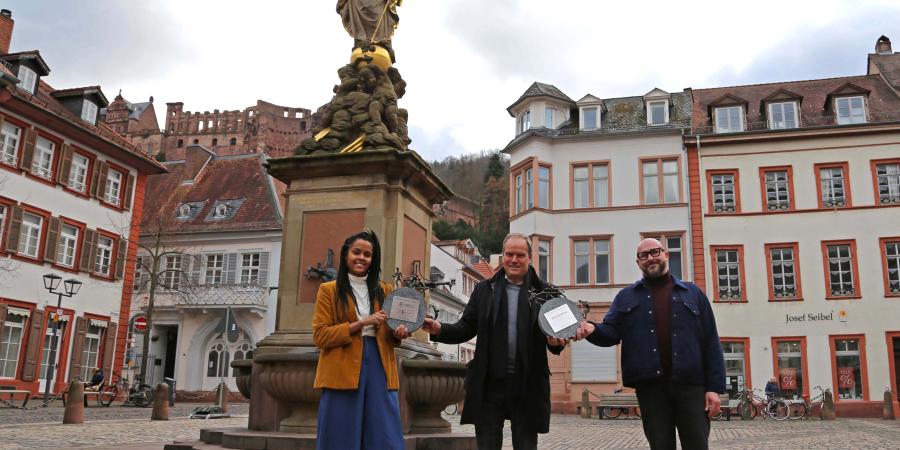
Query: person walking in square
(509, 377)
(671, 352)
(357, 369)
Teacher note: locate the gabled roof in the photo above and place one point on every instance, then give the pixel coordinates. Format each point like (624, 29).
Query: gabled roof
(239, 182)
(136, 109)
(657, 93)
(82, 92)
(483, 268)
(538, 89)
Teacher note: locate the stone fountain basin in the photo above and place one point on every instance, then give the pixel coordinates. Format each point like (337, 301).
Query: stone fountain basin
(243, 368)
(430, 386)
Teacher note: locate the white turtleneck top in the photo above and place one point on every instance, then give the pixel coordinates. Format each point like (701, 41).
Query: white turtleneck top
(361, 292)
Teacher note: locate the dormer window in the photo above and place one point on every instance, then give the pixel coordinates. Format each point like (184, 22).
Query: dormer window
(184, 212)
(523, 122)
(590, 118)
(89, 112)
(850, 110)
(658, 112)
(729, 119)
(27, 79)
(220, 211)
(783, 115)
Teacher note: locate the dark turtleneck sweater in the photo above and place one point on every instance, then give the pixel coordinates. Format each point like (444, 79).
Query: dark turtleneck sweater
(661, 294)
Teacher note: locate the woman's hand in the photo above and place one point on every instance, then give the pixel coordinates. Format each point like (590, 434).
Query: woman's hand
(375, 320)
(401, 333)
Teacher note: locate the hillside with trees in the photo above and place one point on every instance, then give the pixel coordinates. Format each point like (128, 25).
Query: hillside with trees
(484, 178)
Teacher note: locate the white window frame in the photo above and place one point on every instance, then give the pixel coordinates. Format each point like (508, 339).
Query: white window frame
(3, 209)
(650, 116)
(524, 122)
(214, 269)
(103, 258)
(171, 276)
(529, 188)
(851, 118)
(585, 256)
(89, 112)
(846, 285)
(830, 183)
(888, 179)
(597, 120)
(892, 270)
(90, 353)
(27, 79)
(729, 128)
(776, 187)
(783, 124)
(598, 253)
(9, 144)
(518, 192)
(78, 173)
(220, 211)
(67, 244)
(543, 185)
(723, 201)
(549, 116)
(544, 250)
(581, 186)
(784, 265)
(30, 235)
(9, 363)
(42, 164)
(597, 181)
(113, 186)
(250, 268)
(734, 290)
(184, 212)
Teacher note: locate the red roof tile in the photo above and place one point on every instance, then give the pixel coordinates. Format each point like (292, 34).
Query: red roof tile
(484, 269)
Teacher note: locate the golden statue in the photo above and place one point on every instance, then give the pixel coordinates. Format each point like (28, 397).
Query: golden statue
(371, 23)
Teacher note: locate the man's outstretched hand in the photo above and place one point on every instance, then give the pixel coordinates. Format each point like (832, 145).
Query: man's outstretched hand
(584, 330)
(431, 326)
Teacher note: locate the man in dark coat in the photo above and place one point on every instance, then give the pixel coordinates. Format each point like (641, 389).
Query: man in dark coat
(509, 377)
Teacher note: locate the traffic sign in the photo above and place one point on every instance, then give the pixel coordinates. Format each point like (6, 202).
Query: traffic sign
(140, 323)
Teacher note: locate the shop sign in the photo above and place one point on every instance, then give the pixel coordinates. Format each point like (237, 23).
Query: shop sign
(816, 317)
(845, 378)
(788, 378)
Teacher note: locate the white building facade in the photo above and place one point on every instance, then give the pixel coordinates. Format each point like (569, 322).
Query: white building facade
(219, 300)
(70, 192)
(589, 180)
(799, 188)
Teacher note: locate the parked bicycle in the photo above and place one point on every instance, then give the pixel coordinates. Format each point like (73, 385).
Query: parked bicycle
(801, 409)
(773, 408)
(139, 394)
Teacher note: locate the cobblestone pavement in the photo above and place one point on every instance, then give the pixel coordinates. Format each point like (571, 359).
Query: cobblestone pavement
(54, 413)
(566, 432)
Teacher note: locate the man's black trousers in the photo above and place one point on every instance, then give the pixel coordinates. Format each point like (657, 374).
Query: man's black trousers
(667, 406)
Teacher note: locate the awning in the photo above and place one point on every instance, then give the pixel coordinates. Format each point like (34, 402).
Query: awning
(99, 323)
(18, 311)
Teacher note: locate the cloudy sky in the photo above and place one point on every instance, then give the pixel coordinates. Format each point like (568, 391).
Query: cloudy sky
(465, 60)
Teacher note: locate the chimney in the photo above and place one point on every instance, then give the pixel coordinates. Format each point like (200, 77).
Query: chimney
(883, 46)
(6, 29)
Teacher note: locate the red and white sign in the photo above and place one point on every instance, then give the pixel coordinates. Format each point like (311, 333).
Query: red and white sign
(788, 379)
(140, 323)
(845, 378)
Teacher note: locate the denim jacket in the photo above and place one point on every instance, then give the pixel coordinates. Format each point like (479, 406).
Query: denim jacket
(696, 351)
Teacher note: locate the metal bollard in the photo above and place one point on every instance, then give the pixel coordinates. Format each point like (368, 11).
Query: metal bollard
(161, 403)
(74, 404)
(887, 411)
(585, 405)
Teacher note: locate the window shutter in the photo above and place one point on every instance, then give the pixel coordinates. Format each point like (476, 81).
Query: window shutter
(88, 245)
(52, 240)
(2, 306)
(121, 252)
(77, 348)
(230, 267)
(592, 363)
(129, 191)
(65, 164)
(95, 177)
(263, 269)
(2, 119)
(102, 173)
(186, 272)
(33, 348)
(197, 269)
(109, 351)
(15, 227)
(28, 149)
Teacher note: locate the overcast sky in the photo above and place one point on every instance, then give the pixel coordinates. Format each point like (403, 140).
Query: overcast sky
(464, 61)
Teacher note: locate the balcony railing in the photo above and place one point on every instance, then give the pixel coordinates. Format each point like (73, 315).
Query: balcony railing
(209, 296)
(805, 123)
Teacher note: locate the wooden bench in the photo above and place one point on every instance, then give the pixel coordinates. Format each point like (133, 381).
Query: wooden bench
(623, 401)
(11, 391)
(87, 394)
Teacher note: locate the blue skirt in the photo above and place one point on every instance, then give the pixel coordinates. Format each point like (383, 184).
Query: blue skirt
(364, 418)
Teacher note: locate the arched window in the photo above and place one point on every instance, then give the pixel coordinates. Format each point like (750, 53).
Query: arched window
(233, 141)
(215, 142)
(220, 352)
(179, 143)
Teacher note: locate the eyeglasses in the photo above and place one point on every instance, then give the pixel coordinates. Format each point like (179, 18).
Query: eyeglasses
(654, 252)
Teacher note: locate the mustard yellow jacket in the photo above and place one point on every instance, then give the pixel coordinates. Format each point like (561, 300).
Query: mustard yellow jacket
(341, 358)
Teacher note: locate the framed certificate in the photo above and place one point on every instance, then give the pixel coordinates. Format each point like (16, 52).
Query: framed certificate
(405, 306)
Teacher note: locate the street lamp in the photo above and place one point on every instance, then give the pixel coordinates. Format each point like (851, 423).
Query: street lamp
(71, 287)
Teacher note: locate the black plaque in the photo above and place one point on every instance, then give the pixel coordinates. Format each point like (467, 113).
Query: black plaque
(405, 306)
(554, 311)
